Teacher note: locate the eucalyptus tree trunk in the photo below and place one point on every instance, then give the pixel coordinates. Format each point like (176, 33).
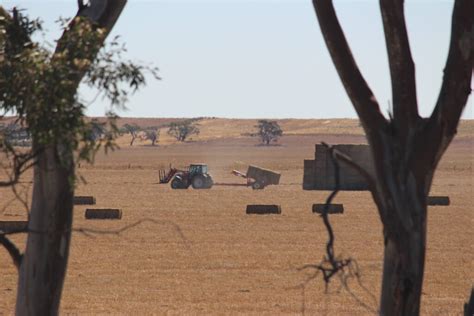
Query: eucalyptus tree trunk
(406, 148)
(44, 263)
(403, 276)
(404, 204)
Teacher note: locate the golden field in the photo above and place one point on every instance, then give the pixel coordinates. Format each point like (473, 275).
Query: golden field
(198, 253)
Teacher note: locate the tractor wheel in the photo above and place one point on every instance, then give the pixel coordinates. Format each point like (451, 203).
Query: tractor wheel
(209, 182)
(199, 182)
(177, 184)
(257, 186)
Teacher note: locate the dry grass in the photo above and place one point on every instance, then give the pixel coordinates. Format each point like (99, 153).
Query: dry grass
(204, 255)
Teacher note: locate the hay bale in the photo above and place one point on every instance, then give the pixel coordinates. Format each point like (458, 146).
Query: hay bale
(84, 200)
(438, 200)
(103, 213)
(309, 178)
(333, 208)
(13, 226)
(262, 209)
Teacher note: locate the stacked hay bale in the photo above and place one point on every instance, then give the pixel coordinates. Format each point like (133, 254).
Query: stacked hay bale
(319, 173)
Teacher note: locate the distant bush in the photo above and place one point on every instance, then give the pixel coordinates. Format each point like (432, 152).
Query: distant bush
(182, 130)
(132, 129)
(268, 131)
(152, 134)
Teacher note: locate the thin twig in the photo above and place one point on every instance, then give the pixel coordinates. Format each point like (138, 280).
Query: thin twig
(348, 160)
(89, 232)
(330, 265)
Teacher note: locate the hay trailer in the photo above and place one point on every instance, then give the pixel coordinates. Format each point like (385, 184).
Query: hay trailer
(258, 178)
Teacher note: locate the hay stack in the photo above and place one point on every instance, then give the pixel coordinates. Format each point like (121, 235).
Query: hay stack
(319, 173)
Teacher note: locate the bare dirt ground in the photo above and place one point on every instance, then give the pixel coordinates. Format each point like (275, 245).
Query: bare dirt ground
(201, 254)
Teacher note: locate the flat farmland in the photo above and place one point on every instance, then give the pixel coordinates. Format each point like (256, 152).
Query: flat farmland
(197, 252)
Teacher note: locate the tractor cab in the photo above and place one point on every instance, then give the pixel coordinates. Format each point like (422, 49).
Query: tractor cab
(197, 168)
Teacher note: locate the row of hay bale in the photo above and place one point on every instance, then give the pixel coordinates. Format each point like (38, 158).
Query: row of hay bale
(260, 209)
(97, 213)
(9, 227)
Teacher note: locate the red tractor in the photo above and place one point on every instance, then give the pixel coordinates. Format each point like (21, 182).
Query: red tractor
(195, 175)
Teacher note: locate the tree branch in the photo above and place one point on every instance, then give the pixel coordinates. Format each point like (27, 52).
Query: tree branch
(103, 12)
(12, 250)
(90, 232)
(348, 160)
(455, 88)
(402, 68)
(330, 266)
(21, 163)
(368, 178)
(356, 87)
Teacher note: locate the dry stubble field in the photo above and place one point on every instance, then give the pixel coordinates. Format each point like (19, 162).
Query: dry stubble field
(201, 254)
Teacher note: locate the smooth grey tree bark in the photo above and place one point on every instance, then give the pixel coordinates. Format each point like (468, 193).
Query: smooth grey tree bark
(44, 263)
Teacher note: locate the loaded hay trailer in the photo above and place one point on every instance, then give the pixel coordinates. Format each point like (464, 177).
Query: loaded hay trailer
(258, 178)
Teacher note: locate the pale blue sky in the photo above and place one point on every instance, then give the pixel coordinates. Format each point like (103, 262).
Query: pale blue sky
(261, 58)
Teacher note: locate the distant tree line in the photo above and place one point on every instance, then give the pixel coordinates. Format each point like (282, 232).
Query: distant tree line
(180, 130)
(183, 130)
(267, 130)
(151, 133)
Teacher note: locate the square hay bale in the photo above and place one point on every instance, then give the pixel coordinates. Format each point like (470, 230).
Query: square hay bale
(262, 209)
(438, 200)
(13, 226)
(84, 200)
(103, 213)
(333, 208)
